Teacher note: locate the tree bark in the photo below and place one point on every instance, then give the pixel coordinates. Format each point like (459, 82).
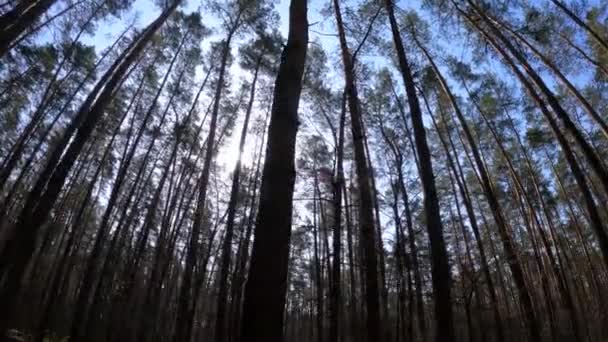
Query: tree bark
(264, 300)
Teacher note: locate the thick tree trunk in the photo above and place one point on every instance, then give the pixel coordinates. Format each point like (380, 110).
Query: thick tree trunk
(264, 300)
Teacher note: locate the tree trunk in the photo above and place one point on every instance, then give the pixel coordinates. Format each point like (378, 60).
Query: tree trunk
(508, 243)
(439, 256)
(338, 183)
(264, 299)
(366, 213)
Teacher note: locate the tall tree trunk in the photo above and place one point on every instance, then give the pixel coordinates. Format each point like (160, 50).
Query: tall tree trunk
(353, 314)
(595, 116)
(87, 289)
(244, 256)
(366, 213)
(264, 300)
(439, 256)
(562, 285)
(316, 260)
(338, 183)
(464, 192)
(220, 325)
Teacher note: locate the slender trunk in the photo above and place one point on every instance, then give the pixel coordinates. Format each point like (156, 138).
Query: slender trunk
(587, 149)
(88, 287)
(497, 212)
(366, 214)
(464, 192)
(220, 326)
(585, 55)
(354, 315)
(563, 79)
(317, 263)
(185, 310)
(439, 256)
(338, 181)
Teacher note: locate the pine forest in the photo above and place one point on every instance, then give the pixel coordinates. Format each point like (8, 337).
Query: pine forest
(303, 170)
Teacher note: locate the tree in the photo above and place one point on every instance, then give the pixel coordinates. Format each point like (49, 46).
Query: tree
(273, 224)
(441, 267)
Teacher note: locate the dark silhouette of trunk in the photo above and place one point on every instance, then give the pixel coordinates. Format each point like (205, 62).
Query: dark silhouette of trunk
(353, 315)
(10, 163)
(200, 263)
(563, 288)
(49, 19)
(17, 253)
(147, 324)
(14, 22)
(366, 209)
(401, 189)
(337, 184)
(11, 160)
(62, 259)
(420, 312)
(401, 330)
(600, 66)
(220, 325)
(439, 257)
(380, 242)
(16, 151)
(264, 299)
